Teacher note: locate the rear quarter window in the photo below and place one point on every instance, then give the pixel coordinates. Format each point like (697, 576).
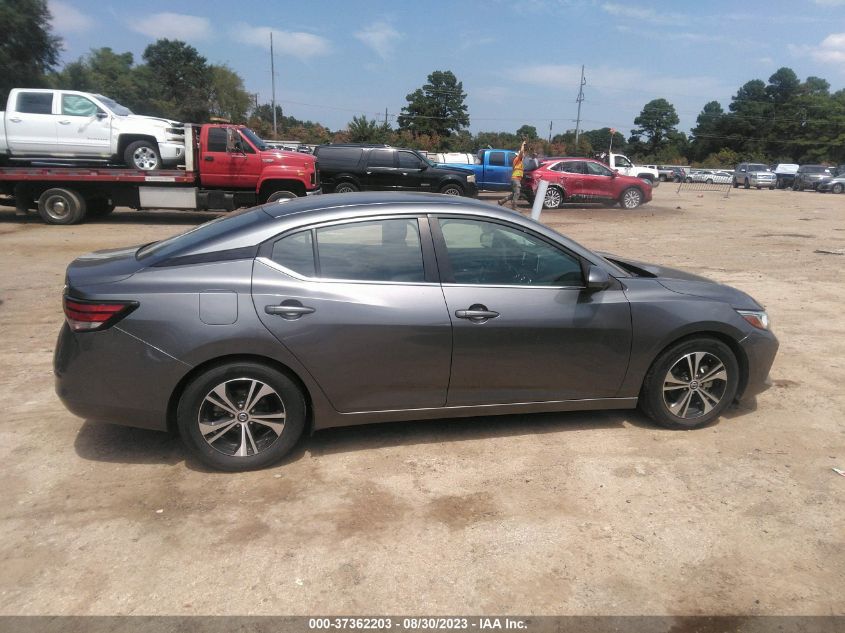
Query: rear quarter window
(338, 156)
(35, 102)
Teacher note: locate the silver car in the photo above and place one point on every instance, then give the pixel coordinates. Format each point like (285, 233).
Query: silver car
(754, 175)
(345, 309)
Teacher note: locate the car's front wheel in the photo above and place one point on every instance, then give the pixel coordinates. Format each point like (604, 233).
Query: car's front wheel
(452, 190)
(690, 384)
(241, 416)
(142, 155)
(631, 198)
(837, 188)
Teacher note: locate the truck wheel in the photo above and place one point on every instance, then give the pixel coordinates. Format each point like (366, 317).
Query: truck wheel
(452, 190)
(280, 195)
(99, 207)
(631, 198)
(142, 155)
(61, 206)
(345, 187)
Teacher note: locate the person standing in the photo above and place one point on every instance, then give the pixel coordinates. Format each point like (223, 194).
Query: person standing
(516, 178)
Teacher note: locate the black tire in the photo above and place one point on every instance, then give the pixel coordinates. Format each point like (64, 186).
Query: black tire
(142, 155)
(709, 181)
(99, 207)
(688, 180)
(658, 404)
(452, 189)
(554, 199)
(631, 198)
(772, 188)
(280, 195)
(735, 184)
(346, 187)
(759, 187)
(746, 184)
(837, 188)
(61, 206)
(236, 379)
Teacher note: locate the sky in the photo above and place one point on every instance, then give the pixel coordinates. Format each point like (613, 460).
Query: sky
(519, 60)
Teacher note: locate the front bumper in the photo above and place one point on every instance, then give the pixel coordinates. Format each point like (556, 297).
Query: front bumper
(760, 349)
(314, 192)
(171, 153)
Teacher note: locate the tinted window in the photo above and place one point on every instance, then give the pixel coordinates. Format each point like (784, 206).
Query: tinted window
(497, 159)
(409, 160)
(493, 254)
(596, 169)
(296, 252)
(757, 167)
(380, 158)
(345, 156)
(216, 139)
(35, 102)
(573, 167)
(74, 105)
(381, 250)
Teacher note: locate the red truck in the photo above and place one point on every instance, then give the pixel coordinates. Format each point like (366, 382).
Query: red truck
(226, 167)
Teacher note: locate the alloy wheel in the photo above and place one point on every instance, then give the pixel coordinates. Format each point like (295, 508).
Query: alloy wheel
(694, 385)
(241, 417)
(145, 158)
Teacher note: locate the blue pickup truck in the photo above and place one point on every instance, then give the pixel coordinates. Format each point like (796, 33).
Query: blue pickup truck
(492, 169)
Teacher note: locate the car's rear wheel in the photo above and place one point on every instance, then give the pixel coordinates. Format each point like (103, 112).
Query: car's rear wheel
(837, 188)
(631, 198)
(554, 198)
(709, 181)
(690, 384)
(241, 416)
(735, 183)
(345, 187)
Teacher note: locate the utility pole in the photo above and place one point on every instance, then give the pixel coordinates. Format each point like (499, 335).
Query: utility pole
(550, 131)
(385, 117)
(579, 100)
(273, 83)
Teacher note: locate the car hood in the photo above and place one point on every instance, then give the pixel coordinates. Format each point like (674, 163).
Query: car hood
(140, 118)
(685, 283)
(452, 169)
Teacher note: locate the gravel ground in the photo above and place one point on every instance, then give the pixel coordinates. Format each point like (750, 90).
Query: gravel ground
(576, 513)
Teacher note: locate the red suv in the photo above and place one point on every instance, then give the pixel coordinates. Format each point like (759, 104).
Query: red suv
(585, 180)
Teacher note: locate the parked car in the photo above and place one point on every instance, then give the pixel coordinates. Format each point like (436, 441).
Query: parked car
(808, 176)
(346, 167)
(73, 125)
(249, 330)
(492, 169)
(753, 175)
(585, 180)
(833, 185)
(785, 174)
(679, 174)
(709, 176)
(623, 165)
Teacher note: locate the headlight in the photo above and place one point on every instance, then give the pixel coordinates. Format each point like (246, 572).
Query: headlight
(757, 318)
(471, 178)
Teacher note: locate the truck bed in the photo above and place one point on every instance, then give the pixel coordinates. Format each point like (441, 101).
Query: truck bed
(96, 174)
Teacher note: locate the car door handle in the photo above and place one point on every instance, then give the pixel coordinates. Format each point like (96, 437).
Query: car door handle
(289, 310)
(209, 159)
(65, 122)
(476, 313)
(15, 120)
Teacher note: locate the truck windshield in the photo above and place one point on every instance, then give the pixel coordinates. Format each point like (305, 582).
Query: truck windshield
(253, 138)
(114, 106)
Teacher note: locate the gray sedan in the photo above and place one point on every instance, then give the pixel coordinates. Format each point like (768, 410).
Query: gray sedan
(247, 331)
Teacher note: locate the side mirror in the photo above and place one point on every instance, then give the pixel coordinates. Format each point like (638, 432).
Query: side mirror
(614, 173)
(101, 115)
(597, 278)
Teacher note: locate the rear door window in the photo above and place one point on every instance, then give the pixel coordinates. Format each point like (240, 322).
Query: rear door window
(296, 252)
(497, 159)
(381, 158)
(35, 102)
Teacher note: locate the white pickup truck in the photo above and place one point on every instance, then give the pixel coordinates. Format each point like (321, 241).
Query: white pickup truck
(624, 166)
(79, 126)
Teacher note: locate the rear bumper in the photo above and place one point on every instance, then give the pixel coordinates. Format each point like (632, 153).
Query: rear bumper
(113, 377)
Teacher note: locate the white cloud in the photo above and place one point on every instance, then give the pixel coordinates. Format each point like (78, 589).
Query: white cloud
(292, 43)
(173, 26)
(68, 19)
(642, 14)
(831, 50)
(381, 37)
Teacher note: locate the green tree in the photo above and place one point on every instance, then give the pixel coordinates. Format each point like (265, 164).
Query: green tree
(600, 140)
(28, 49)
(437, 108)
(179, 81)
(104, 72)
(707, 131)
(656, 121)
(527, 132)
(228, 100)
(364, 130)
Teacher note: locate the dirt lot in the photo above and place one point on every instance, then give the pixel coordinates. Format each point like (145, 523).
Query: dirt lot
(578, 513)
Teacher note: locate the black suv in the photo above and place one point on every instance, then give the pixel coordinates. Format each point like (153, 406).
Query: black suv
(809, 176)
(352, 167)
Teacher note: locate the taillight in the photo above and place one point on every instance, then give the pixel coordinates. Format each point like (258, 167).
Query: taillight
(89, 316)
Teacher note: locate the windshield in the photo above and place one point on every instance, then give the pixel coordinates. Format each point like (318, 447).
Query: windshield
(815, 169)
(254, 139)
(114, 106)
(757, 167)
